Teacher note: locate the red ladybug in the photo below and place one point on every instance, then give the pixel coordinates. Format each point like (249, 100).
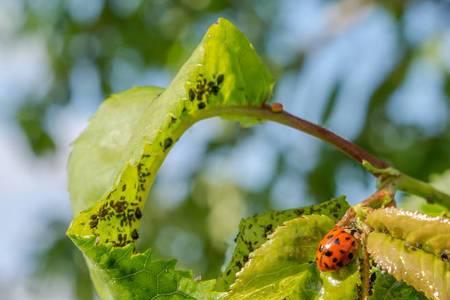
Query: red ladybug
(336, 249)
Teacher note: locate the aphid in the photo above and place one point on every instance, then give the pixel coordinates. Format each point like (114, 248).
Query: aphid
(138, 213)
(167, 143)
(444, 256)
(191, 94)
(220, 79)
(336, 249)
(134, 234)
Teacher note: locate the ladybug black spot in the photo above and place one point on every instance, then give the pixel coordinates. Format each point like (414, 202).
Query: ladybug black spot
(340, 264)
(337, 241)
(335, 260)
(347, 238)
(328, 253)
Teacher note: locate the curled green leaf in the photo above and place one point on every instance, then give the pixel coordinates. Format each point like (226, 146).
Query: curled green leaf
(114, 162)
(432, 234)
(422, 270)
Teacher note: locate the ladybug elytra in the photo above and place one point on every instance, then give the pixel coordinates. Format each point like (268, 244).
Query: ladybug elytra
(336, 249)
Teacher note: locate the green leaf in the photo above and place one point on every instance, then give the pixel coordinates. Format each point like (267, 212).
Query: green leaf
(418, 268)
(342, 284)
(254, 231)
(114, 162)
(284, 268)
(385, 287)
(101, 151)
(119, 273)
(431, 234)
(223, 71)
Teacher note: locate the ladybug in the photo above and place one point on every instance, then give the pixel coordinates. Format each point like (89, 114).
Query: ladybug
(336, 249)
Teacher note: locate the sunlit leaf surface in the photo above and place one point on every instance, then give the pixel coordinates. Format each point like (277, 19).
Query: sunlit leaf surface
(254, 231)
(284, 268)
(130, 137)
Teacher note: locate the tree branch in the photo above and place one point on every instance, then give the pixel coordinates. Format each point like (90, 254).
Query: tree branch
(265, 113)
(374, 165)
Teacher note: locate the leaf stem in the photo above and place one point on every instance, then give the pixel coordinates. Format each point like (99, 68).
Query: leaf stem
(265, 113)
(374, 165)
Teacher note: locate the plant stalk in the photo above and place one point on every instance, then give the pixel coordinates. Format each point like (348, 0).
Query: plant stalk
(374, 165)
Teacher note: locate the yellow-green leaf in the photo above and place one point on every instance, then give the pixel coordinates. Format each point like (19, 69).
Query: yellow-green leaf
(284, 268)
(422, 270)
(114, 162)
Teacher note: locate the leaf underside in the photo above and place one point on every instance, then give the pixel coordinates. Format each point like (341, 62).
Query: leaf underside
(422, 270)
(431, 234)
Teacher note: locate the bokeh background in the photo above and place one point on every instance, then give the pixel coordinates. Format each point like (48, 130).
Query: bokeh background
(374, 72)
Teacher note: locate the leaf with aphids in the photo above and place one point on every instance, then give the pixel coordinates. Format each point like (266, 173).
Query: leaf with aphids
(283, 267)
(254, 231)
(114, 162)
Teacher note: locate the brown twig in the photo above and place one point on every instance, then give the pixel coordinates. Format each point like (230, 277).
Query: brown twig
(379, 168)
(266, 113)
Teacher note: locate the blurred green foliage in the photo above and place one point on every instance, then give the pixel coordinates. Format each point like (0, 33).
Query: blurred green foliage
(125, 39)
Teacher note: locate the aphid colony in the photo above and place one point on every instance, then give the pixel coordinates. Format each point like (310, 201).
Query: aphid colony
(121, 214)
(127, 211)
(203, 88)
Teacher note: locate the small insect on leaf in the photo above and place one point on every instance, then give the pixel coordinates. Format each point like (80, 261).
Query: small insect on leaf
(336, 249)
